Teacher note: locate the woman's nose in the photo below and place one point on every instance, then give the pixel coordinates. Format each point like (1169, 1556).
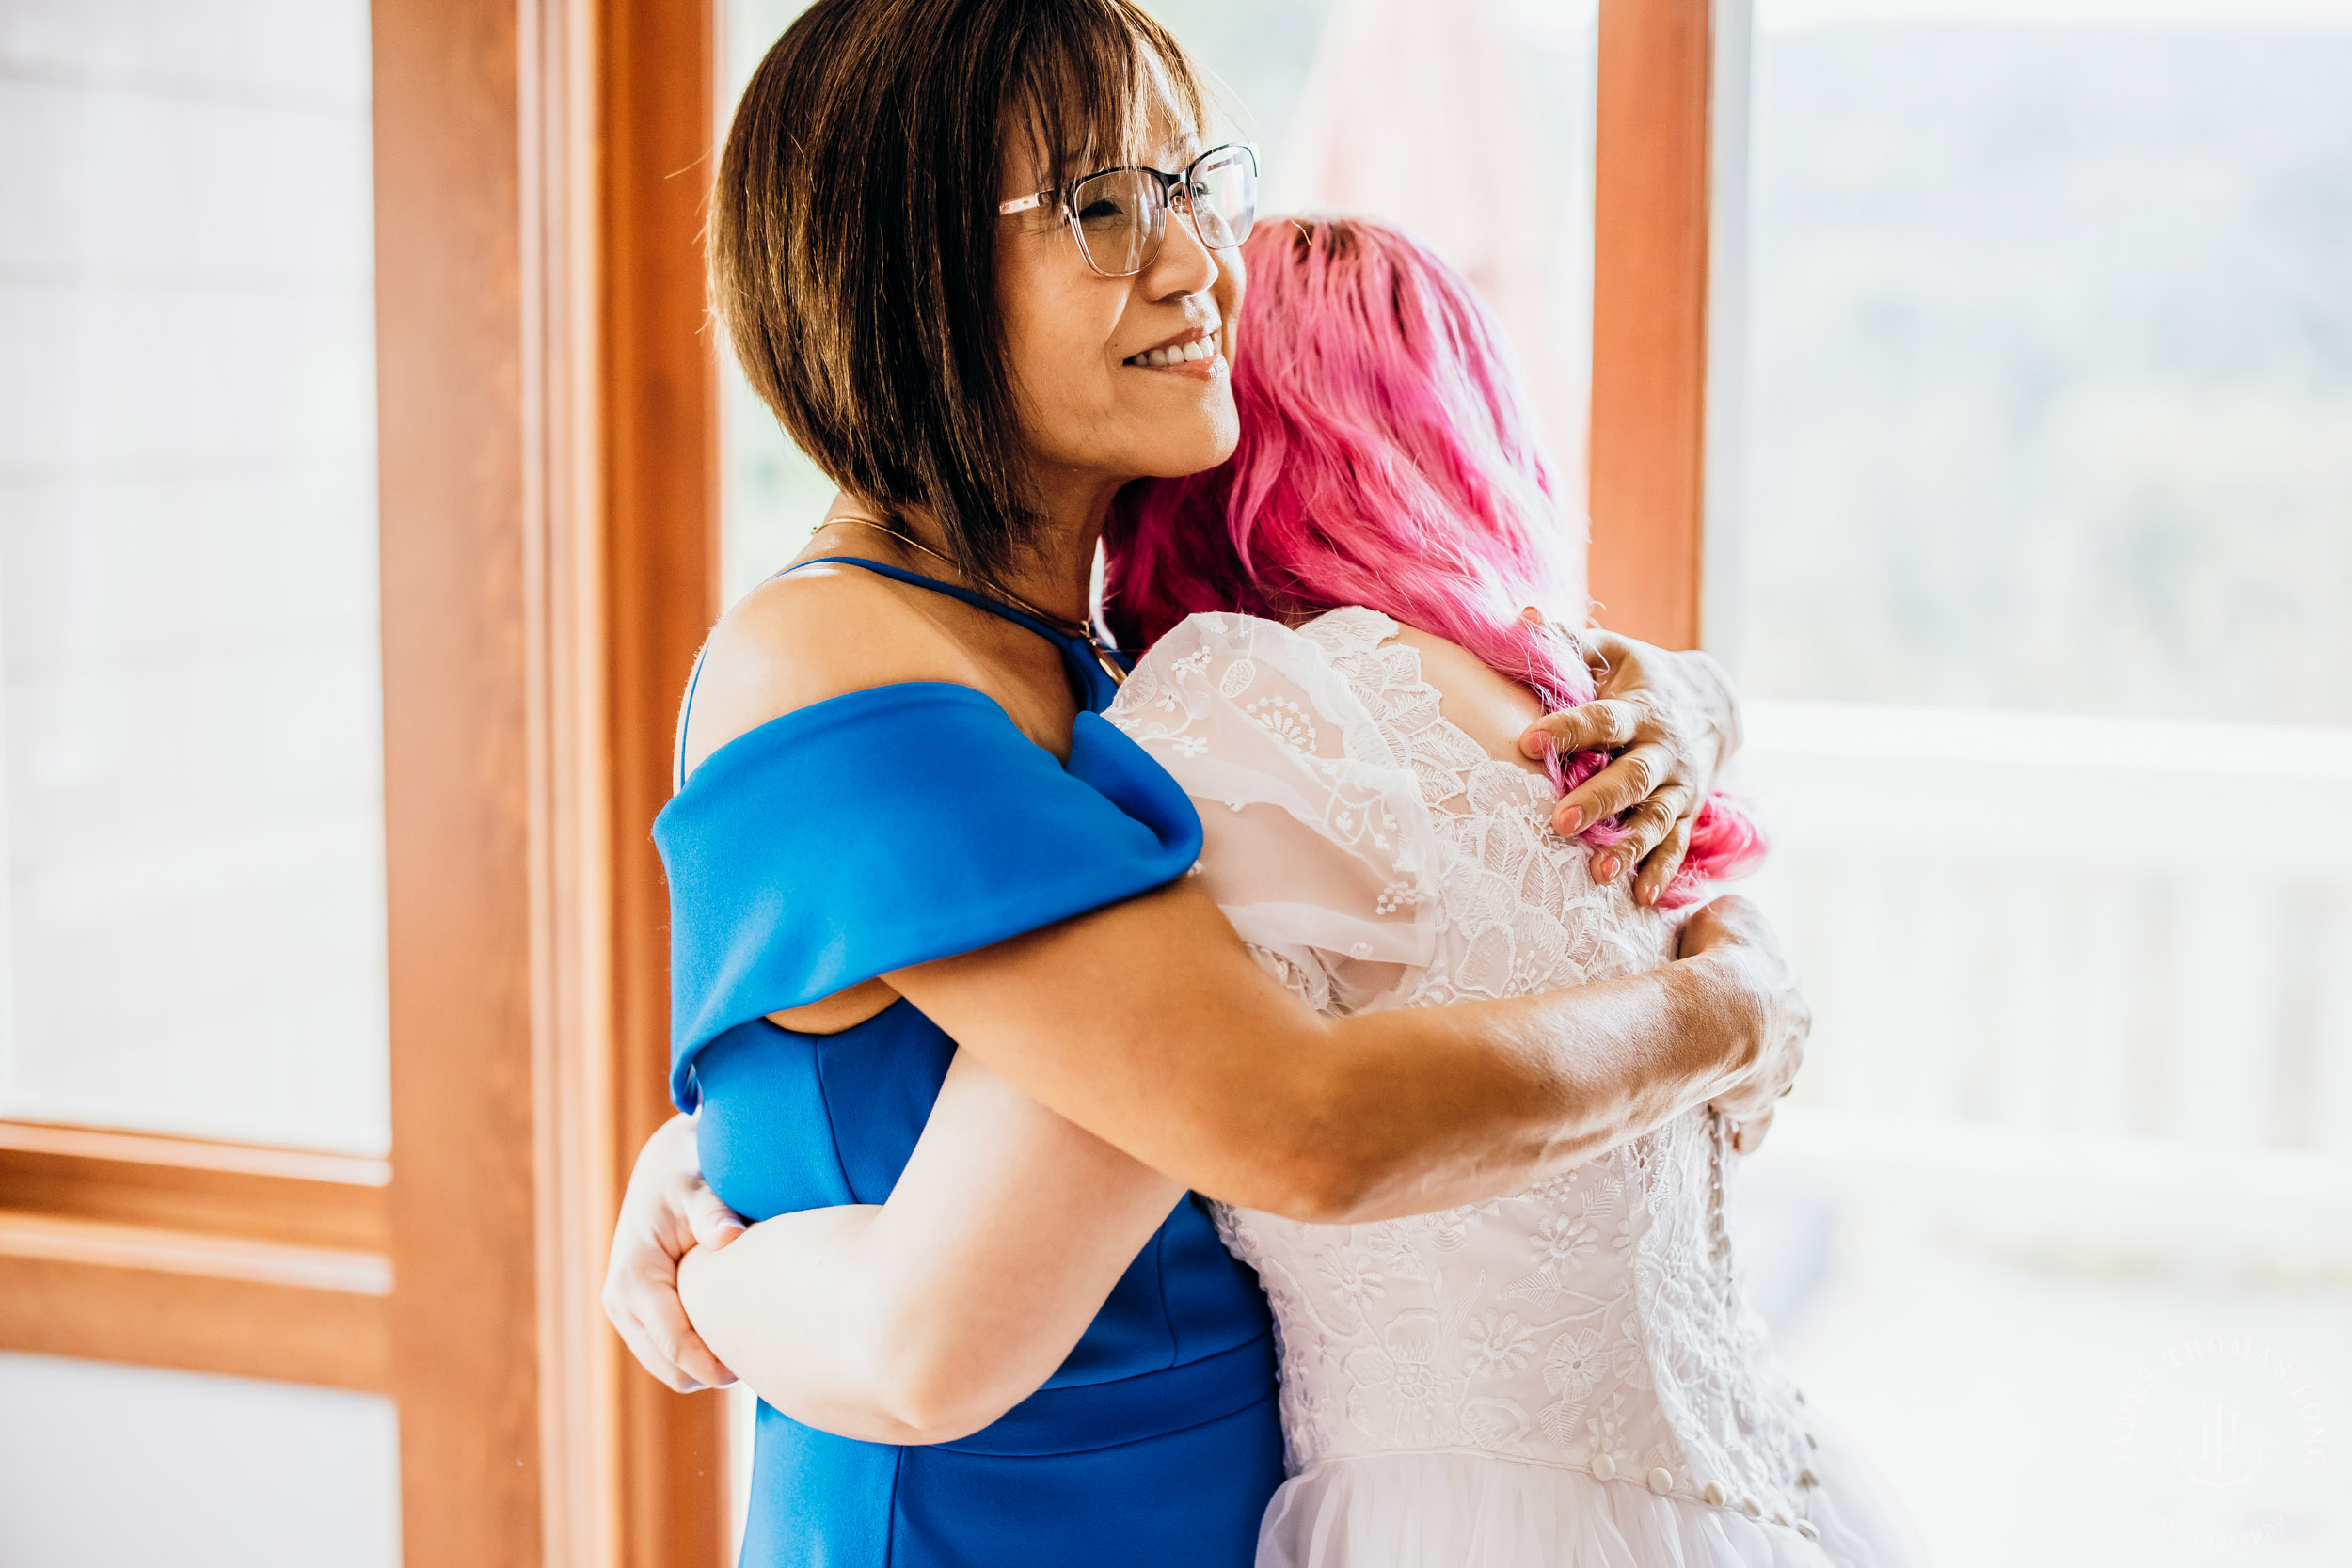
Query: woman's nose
(1184, 265)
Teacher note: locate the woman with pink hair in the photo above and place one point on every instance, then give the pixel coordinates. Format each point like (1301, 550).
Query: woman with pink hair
(1385, 460)
(1351, 625)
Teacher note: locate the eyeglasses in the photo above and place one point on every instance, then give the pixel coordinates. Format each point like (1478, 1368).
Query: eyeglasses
(1121, 214)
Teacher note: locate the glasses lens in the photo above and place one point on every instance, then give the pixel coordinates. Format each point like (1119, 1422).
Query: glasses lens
(1121, 217)
(1223, 191)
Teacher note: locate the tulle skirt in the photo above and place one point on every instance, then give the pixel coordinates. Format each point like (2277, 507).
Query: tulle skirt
(1475, 1511)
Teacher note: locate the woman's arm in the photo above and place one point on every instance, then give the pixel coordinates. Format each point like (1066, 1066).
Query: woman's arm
(1149, 1024)
(873, 1293)
(1157, 1029)
(925, 1319)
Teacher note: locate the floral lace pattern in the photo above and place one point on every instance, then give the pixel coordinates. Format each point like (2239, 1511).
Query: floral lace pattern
(1518, 901)
(1324, 857)
(1594, 1321)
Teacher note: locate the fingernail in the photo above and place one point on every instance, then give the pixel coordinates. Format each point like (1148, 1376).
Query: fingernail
(1604, 868)
(1568, 822)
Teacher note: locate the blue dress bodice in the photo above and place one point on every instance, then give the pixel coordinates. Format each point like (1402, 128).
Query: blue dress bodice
(865, 835)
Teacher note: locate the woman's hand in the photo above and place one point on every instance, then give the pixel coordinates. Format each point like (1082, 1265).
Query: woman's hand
(667, 1212)
(1673, 721)
(1737, 931)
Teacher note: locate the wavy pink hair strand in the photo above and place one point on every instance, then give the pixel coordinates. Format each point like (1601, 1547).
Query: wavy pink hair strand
(1386, 460)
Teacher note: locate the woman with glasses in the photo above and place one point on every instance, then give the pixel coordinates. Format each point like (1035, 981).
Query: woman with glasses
(944, 993)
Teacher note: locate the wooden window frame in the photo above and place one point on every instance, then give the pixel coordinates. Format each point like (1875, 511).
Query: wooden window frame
(175, 1251)
(548, 421)
(549, 437)
(1668, 205)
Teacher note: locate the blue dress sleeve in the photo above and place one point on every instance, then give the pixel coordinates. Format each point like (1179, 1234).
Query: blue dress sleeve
(888, 827)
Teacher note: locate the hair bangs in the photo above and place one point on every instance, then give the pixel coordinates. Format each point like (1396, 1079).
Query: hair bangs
(1092, 83)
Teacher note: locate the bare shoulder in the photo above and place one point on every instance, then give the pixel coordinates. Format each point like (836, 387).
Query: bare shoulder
(1489, 708)
(802, 639)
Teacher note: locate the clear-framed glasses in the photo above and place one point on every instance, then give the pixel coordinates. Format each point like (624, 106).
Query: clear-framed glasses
(1121, 214)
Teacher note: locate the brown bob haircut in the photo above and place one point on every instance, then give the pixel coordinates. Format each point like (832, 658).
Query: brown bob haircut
(853, 233)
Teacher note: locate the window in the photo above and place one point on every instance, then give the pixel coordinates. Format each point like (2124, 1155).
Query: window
(188, 645)
(357, 470)
(2044, 590)
(192, 932)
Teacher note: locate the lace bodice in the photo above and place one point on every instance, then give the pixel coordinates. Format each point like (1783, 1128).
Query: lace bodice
(1374, 856)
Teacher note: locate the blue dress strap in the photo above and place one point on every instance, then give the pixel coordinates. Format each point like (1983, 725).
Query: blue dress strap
(887, 828)
(953, 590)
(1076, 652)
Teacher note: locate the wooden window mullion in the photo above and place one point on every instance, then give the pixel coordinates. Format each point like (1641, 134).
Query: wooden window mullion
(549, 524)
(177, 1252)
(1652, 202)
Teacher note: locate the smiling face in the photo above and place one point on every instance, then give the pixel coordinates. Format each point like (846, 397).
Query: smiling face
(1116, 377)
(948, 365)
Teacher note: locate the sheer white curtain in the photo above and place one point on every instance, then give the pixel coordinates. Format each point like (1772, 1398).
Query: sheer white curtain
(1433, 116)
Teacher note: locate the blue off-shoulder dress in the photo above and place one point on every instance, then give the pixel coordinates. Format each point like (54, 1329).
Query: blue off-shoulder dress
(883, 829)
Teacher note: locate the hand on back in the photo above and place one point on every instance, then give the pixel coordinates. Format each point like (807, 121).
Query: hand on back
(1672, 720)
(1735, 930)
(667, 1212)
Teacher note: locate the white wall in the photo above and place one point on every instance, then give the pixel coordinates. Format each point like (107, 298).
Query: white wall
(191, 915)
(107, 1467)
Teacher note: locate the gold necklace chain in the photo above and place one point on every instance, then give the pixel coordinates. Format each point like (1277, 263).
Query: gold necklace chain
(1067, 628)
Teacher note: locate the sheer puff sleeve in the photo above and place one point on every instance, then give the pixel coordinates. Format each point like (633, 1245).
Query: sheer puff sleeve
(1315, 842)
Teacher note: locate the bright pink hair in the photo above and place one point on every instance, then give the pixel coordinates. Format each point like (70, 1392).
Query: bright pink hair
(1385, 461)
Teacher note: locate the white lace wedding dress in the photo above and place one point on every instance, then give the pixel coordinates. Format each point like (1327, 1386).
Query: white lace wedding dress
(1567, 1378)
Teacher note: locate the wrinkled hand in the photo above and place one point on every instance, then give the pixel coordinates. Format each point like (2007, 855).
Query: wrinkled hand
(1734, 928)
(667, 1212)
(1672, 720)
